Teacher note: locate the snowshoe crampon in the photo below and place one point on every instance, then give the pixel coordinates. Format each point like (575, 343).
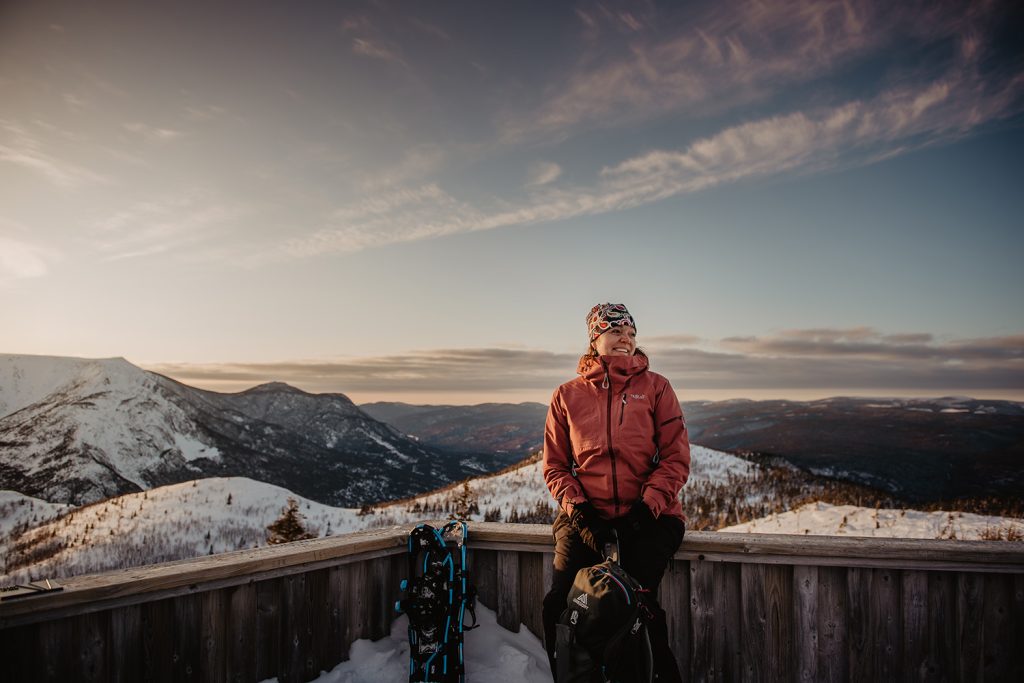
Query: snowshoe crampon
(436, 597)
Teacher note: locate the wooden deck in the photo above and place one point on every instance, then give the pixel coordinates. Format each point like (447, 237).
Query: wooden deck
(742, 607)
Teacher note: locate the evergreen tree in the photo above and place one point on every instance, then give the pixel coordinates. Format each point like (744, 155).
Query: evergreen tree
(289, 526)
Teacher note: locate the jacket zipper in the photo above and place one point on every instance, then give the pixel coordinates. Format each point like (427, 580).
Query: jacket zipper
(611, 451)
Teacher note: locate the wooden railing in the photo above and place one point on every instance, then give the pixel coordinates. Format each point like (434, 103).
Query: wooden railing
(741, 607)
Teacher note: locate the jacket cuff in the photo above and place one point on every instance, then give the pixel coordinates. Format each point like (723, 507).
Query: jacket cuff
(652, 503)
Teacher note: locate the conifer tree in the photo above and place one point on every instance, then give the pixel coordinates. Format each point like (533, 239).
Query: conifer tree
(289, 526)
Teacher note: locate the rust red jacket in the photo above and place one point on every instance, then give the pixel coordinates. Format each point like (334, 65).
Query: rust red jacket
(614, 435)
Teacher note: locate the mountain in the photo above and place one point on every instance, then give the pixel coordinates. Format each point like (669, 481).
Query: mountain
(498, 427)
(80, 430)
(921, 450)
(220, 514)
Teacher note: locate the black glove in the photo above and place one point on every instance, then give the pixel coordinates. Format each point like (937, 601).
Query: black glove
(594, 529)
(639, 518)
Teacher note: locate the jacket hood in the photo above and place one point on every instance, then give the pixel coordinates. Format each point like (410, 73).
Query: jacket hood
(592, 368)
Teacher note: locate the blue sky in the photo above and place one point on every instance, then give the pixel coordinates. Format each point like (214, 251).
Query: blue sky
(421, 201)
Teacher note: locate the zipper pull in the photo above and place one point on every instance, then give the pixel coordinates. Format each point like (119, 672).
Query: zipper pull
(605, 384)
(622, 413)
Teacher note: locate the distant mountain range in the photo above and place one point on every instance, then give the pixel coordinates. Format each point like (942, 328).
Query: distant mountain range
(77, 431)
(920, 450)
(499, 427)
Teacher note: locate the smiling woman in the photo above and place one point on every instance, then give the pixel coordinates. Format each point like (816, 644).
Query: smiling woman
(616, 455)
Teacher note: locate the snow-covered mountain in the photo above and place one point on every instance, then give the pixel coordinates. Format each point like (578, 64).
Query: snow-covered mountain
(849, 520)
(228, 513)
(81, 430)
(221, 514)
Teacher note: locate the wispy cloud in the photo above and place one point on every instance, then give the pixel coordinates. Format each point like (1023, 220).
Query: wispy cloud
(788, 361)
(152, 133)
(21, 147)
(543, 173)
(20, 259)
(415, 163)
(724, 54)
(163, 225)
(852, 133)
(375, 50)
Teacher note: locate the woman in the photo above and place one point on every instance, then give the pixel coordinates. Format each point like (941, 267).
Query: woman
(616, 455)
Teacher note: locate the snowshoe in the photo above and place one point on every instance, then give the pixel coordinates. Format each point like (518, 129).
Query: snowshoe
(437, 595)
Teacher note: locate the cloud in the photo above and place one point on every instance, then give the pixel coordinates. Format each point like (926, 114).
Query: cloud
(848, 134)
(724, 54)
(542, 173)
(879, 364)
(152, 133)
(159, 226)
(416, 162)
(21, 147)
(439, 370)
(374, 50)
(20, 259)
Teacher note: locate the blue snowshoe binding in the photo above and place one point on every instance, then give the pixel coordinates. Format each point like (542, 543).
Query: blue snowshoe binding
(437, 596)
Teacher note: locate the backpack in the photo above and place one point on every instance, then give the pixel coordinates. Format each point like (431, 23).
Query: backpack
(601, 637)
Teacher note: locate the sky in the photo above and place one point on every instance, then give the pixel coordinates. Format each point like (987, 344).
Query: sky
(422, 201)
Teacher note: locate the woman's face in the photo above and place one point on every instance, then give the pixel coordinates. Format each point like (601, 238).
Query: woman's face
(618, 341)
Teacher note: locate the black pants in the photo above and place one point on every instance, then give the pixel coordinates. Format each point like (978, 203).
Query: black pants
(644, 556)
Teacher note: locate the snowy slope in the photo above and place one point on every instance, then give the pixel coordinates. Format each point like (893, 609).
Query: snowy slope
(195, 518)
(822, 519)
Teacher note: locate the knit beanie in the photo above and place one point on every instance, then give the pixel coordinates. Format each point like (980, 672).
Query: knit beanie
(604, 317)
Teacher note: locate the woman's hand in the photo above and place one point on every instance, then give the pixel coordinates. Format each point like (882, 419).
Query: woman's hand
(594, 529)
(639, 518)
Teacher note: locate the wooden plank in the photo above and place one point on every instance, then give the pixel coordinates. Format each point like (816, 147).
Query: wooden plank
(674, 598)
(805, 615)
(19, 652)
(885, 623)
(338, 628)
(728, 629)
(703, 665)
(381, 604)
(485, 575)
(970, 597)
(356, 606)
(833, 626)
(766, 617)
(240, 634)
(90, 647)
(755, 651)
(918, 664)
(1017, 619)
(187, 623)
(998, 647)
(213, 607)
(319, 658)
(508, 595)
(531, 592)
(269, 605)
(55, 664)
(126, 644)
(158, 641)
(295, 634)
(858, 603)
(942, 626)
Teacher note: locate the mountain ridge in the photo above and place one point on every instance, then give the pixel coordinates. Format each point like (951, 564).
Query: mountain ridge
(81, 430)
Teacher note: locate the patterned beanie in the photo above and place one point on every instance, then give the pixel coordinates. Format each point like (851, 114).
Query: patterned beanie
(604, 317)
